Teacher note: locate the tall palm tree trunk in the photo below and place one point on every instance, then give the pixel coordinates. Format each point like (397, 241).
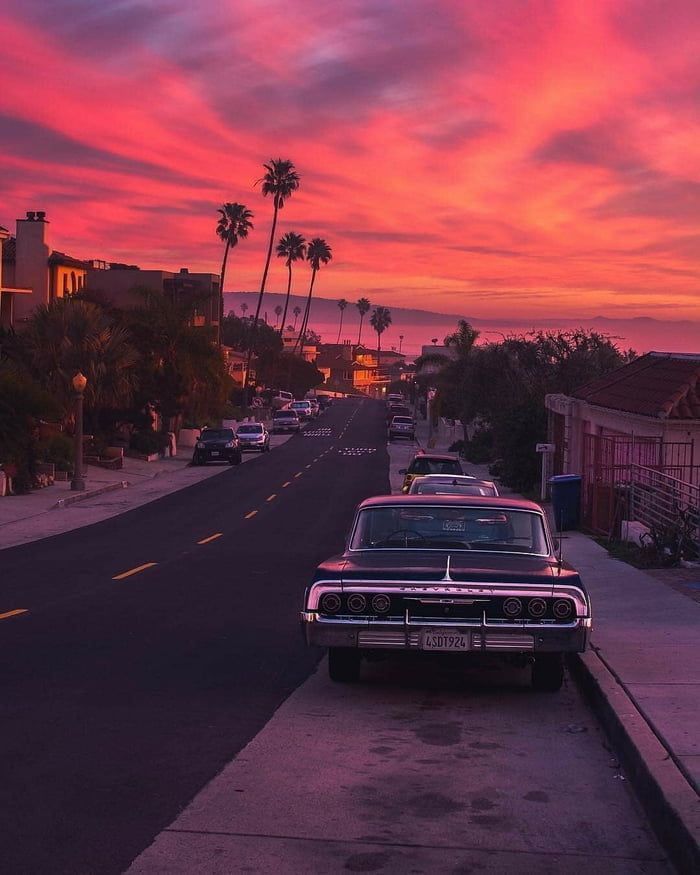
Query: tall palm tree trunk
(379, 357)
(305, 325)
(340, 327)
(359, 333)
(221, 291)
(286, 300)
(260, 296)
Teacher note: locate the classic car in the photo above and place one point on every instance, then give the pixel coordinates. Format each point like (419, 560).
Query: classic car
(217, 445)
(429, 463)
(446, 484)
(450, 574)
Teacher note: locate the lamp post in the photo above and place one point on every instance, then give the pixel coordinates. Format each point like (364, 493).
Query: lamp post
(77, 484)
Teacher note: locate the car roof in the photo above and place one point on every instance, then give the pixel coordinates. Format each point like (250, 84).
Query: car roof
(450, 501)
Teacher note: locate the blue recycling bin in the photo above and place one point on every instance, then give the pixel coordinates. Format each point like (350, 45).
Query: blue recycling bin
(566, 501)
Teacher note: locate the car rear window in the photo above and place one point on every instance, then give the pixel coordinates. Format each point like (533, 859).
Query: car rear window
(284, 414)
(217, 434)
(422, 465)
(449, 527)
(403, 420)
(250, 429)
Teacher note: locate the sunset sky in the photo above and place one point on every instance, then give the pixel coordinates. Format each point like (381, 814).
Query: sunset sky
(500, 158)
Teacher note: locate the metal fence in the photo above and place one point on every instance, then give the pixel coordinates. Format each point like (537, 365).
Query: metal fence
(663, 502)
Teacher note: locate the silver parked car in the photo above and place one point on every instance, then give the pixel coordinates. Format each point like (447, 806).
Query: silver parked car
(452, 484)
(253, 436)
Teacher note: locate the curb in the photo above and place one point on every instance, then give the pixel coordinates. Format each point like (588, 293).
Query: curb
(82, 496)
(669, 801)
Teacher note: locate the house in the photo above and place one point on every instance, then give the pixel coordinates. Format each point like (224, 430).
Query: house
(654, 399)
(349, 367)
(34, 274)
(7, 293)
(235, 364)
(118, 285)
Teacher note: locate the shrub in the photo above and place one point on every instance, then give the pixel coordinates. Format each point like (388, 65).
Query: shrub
(58, 450)
(148, 442)
(479, 449)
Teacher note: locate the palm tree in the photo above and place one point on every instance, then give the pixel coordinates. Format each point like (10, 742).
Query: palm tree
(244, 308)
(233, 225)
(280, 180)
(363, 306)
(291, 247)
(297, 314)
(317, 252)
(463, 339)
(278, 313)
(342, 304)
(380, 320)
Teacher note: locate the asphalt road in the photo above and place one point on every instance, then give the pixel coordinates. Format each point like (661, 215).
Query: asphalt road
(124, 692)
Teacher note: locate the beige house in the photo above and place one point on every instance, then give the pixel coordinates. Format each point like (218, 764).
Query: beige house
(34, 274)
(7, 293)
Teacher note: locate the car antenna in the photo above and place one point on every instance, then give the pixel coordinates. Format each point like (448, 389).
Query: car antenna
(561, 540)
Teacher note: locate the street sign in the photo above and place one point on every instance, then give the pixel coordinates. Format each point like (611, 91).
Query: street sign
(545, 448)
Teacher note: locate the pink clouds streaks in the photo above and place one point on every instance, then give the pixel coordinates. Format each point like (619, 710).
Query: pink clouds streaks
(546, 149)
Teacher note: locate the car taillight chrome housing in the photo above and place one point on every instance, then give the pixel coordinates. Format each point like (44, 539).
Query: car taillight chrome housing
(512, 608)
(537, 608)
(330, 603)
(357, 603)
(381, 603)
(562, 609)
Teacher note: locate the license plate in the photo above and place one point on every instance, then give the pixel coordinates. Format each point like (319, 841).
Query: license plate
(444, 639)
(215, 452)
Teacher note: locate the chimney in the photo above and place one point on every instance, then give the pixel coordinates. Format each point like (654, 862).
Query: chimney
(32, 262)
(184, 270)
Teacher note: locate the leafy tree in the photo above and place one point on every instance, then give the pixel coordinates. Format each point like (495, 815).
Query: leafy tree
(280, 181)
(70, 335)
(233, 225)
(380, 320)
(235, 331)
(291, 247)
(297, 314)
(318, 252)
(363, 306)
(291, 371)
(342, 304)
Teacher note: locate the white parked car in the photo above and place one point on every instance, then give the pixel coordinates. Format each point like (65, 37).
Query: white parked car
(302, 409)
(452, 484)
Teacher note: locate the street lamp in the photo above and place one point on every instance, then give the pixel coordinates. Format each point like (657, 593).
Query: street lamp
(77, 484)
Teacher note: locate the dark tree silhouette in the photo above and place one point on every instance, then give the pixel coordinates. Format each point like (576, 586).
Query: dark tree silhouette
(233, 225)
(291, 247)
(363, 306)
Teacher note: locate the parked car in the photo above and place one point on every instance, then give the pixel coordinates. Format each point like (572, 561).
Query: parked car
(217, 445)
(394, 398)
(302, 409)
(397, 410)
(451, 575)
(443, 484)
(429, 463)
(402, 427)
(285, 421)
(253, 436)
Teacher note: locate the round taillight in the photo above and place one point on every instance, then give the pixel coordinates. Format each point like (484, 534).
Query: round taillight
(381, 603)
(537, 608)
(512, 608)
(357, 603)
(562, 609)
(330, 603)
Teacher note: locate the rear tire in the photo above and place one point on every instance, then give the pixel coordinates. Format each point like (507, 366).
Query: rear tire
(344, 665)
(548, 672)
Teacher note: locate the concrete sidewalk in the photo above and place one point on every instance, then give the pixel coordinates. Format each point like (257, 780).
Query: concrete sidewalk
(46, 512)
(642, 673)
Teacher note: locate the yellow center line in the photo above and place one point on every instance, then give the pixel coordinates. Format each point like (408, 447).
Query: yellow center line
(251, 514)
(134, 570)
(15, 613)
(299, 473)
(210, 538)
(285, 485)
(271, 497)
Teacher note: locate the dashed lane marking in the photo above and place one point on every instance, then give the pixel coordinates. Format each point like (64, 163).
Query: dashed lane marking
(356, 451)
(15, 613)
(251, 514)
(285, 485)
(210, 538)
(271, 497)
(133, 571)
(299, 473)
(308, 466)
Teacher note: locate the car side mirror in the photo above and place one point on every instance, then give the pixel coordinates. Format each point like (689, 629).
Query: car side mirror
(403, 470)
